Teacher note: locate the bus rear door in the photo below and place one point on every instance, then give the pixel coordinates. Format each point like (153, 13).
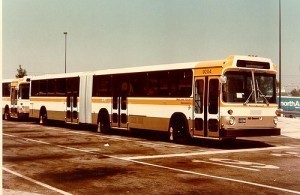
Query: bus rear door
(14, 102)
(72, 100)
(119, 104)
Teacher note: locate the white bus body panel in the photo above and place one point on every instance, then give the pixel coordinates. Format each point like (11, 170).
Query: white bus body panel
(85, 98)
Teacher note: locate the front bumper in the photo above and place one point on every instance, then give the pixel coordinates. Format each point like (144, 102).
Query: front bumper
(230, 132)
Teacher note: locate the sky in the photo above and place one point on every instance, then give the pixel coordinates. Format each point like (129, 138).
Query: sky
(105, 34)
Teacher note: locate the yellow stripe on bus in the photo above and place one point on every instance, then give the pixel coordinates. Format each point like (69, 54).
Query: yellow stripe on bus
(178, 101)
(47, 99)
(5, 98)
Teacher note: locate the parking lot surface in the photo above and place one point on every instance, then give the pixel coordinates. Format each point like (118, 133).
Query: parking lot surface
(59, 159)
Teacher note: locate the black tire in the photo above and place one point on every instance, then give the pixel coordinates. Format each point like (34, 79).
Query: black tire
(43, 120)
(178, 130)
(6, 115)
(103, 123)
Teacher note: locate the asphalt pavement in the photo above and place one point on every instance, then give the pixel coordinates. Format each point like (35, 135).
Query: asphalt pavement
(59, 159)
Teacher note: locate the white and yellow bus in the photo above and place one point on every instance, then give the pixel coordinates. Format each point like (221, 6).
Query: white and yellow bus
(221, 99)
(15, 98)
(56, 97)
(6, 102)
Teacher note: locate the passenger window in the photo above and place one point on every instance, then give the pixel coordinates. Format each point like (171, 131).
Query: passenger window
(60, 87)
(51, 87)
(35, 88)
(5, 89)
(101, 86)
(199, 96)
(213, 96)
(137, 81)
(43, 88)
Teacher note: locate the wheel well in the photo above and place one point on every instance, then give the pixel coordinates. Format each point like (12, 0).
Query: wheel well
(103, 115)
(179, 116)
(6, 109)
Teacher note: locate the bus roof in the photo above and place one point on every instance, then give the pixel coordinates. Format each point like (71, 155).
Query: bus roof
(60, 75)
(177, 66)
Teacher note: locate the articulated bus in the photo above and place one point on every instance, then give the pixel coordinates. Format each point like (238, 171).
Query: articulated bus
(56, 97)
(221, 99)
(15, 98)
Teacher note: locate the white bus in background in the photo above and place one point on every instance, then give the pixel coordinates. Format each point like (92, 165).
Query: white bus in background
(6, 101)
(58, 97)
(15, 98)
(221, 99)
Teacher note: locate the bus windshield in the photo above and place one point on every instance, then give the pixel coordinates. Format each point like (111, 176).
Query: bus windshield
(24, 91)
(242, 88)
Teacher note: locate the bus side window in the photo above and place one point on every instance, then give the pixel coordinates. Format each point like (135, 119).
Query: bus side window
(35, 88)
(199, 96)
(138, 83)
(102, 86)
(51, 87)
(5, 89)
(60, 87)
(185, 83)
(213, 96)
(43, 87)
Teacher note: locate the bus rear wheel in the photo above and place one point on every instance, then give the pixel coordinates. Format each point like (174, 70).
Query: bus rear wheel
(6, 115)
(43, 117)
(103, 124)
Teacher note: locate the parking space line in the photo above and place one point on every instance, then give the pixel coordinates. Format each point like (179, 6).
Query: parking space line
(233, 166)
(114, 138)
(204, 153)
(47, 143)
(130, 159)
(36, 182)
(217, 177)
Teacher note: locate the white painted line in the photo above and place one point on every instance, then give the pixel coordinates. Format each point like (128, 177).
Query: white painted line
(16, 192)
(180, 170)
(217, 177)
(36, 182)
(233, 166)
(115, 138)
(204, 153)
(47, 143)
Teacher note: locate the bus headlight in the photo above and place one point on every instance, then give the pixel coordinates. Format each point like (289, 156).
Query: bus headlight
(231, 120)
(278, 112)
(275, 120)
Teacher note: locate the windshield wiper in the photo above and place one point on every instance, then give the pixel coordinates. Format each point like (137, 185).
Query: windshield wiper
(261, 94)
(247, 101)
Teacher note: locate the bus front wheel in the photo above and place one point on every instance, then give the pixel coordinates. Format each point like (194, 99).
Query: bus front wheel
(178, 130)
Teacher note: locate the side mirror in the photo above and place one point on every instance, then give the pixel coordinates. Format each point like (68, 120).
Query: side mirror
(223, 79)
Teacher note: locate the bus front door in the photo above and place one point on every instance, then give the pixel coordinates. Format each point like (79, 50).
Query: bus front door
(206, 107)
(14, 102)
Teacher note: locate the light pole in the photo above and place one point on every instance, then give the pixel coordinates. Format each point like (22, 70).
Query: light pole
(65, 33)
(279, 99)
